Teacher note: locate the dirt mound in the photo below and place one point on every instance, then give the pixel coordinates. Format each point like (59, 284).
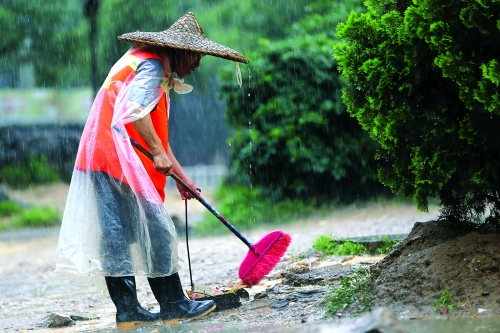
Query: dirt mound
(436, 256)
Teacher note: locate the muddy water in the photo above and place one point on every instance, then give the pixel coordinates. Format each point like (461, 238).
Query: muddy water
(200, 328)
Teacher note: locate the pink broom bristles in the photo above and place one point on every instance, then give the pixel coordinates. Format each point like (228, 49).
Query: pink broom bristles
(263, 257)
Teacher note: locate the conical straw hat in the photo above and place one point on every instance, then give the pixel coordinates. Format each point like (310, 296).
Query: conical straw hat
(185, 34)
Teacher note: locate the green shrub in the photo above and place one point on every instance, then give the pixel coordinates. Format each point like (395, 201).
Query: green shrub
(14, 176)
(386, 246)
(430, 100)
(8, 208)
(352, 293)
(247, 208)
(292, 135)
(324, 244)
(329, 246)
(34, 171)
(43, 216)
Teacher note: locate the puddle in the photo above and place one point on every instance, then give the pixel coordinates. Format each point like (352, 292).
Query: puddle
(462, 325)
(197, 328)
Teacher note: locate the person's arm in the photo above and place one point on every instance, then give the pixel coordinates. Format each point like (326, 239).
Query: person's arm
(164, 162)
(177, 169)
(142, 91)
(161, 160)
(141, 94)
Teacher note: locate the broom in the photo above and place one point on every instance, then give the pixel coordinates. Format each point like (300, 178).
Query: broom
(262, 257)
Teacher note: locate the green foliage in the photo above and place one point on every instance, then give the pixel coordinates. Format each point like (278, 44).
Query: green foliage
(351, 294)
(423, 80)
(47, 35)
(444, 299)
(13, 36)
(237, 24)
(53, 35)
(8, 208)
(329, 246)
(386, 246)
(34, 171)
(292, 135)
(247, 208)
(36, 217)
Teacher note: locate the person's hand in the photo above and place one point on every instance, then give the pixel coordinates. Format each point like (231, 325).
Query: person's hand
(163, 164)
(185, 194)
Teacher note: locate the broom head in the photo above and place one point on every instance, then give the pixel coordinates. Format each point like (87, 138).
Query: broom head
(262, 257)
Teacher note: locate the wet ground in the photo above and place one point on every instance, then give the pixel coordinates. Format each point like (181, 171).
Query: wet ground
(291, 296)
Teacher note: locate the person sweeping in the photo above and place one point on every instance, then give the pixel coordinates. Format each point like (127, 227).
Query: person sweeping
(115, 224)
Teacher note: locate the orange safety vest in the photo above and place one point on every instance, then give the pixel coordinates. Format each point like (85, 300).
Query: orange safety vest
(103, 156)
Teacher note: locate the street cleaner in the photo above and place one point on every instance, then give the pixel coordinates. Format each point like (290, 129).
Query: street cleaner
(115, 224)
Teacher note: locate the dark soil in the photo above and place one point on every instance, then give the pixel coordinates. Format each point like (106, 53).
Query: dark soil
(438, 255)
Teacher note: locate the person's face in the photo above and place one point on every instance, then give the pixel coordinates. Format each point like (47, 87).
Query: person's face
(186, 62)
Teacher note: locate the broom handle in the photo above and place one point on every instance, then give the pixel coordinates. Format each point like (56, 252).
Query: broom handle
(197, 196)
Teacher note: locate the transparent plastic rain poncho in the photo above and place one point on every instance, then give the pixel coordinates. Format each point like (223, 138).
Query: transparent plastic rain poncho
(116, 227)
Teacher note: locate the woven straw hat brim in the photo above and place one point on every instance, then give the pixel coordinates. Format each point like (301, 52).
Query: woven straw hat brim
(205, 45)
(185, 34)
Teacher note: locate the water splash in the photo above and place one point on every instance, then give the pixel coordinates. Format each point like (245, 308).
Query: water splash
(238, 75)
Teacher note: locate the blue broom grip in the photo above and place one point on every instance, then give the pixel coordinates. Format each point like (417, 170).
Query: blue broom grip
(222, 219)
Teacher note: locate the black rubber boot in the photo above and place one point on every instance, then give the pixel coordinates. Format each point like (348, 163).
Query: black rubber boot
(129, 312)
(174, 304)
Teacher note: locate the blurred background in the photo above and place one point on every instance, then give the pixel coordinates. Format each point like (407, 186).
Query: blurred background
(280, 147)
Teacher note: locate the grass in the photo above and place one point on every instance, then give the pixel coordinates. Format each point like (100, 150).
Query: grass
(329, 246)
(247, 208)
(332, 246)
(444, 300)
(386, 246)
(35, 170)
(351, 294)
(9, 208)
(34, 217)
